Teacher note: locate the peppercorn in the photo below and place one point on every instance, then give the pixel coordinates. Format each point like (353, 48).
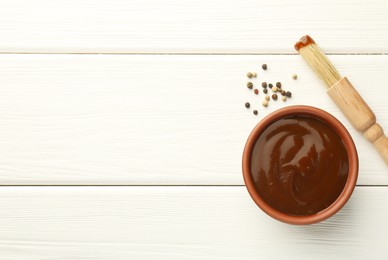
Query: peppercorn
(288, 94)
(264, 66)
(254, 74)
(249, 75)
(265, 103)
(265, 91)
(255, 112)
(250, 85)
(294, 76)
(274, 97)
(278, 84)
(274, 89)
(284, 98)
(270, 85)
(283, 92)
(267, 97)
(264, 84)
(247, 105)
(256, 91)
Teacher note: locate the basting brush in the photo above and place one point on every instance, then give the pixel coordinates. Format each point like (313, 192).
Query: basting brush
(344, 95)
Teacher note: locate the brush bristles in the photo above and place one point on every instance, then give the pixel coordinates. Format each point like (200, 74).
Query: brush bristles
(320, 64)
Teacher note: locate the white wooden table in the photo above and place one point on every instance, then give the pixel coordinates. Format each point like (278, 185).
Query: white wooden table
(122, 125)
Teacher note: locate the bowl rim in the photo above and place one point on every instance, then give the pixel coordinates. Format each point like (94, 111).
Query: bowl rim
(350, 148)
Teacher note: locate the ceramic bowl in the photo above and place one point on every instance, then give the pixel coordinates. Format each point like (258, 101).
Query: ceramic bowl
(304, 111)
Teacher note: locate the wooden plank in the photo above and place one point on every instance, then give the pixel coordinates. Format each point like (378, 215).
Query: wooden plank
(194, 26)
(179, 223)
(159, 119)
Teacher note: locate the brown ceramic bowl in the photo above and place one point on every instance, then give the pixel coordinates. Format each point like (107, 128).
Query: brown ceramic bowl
(310, 112)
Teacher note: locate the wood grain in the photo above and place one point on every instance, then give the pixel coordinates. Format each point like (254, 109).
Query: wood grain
(352, 105)
(359, 114)
(193, 26)
(179, 223)
(140, 120)
(171, 120)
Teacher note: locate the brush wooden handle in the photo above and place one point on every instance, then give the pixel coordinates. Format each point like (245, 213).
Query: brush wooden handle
(359, 114)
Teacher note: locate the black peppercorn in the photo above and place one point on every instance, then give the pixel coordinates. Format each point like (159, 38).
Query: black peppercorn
(288, 94)
(264, 66)
(274, 97)
(264, 84)
(278, 84)
(250, 85)
(255, 112)
(247, 105)
(265, 91)
(283, 92)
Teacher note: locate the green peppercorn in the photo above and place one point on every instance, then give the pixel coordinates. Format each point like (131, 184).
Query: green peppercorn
(249, 75)
(250, 85)
(270, 85)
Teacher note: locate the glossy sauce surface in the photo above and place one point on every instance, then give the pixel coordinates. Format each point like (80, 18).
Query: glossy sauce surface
(299, 165)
